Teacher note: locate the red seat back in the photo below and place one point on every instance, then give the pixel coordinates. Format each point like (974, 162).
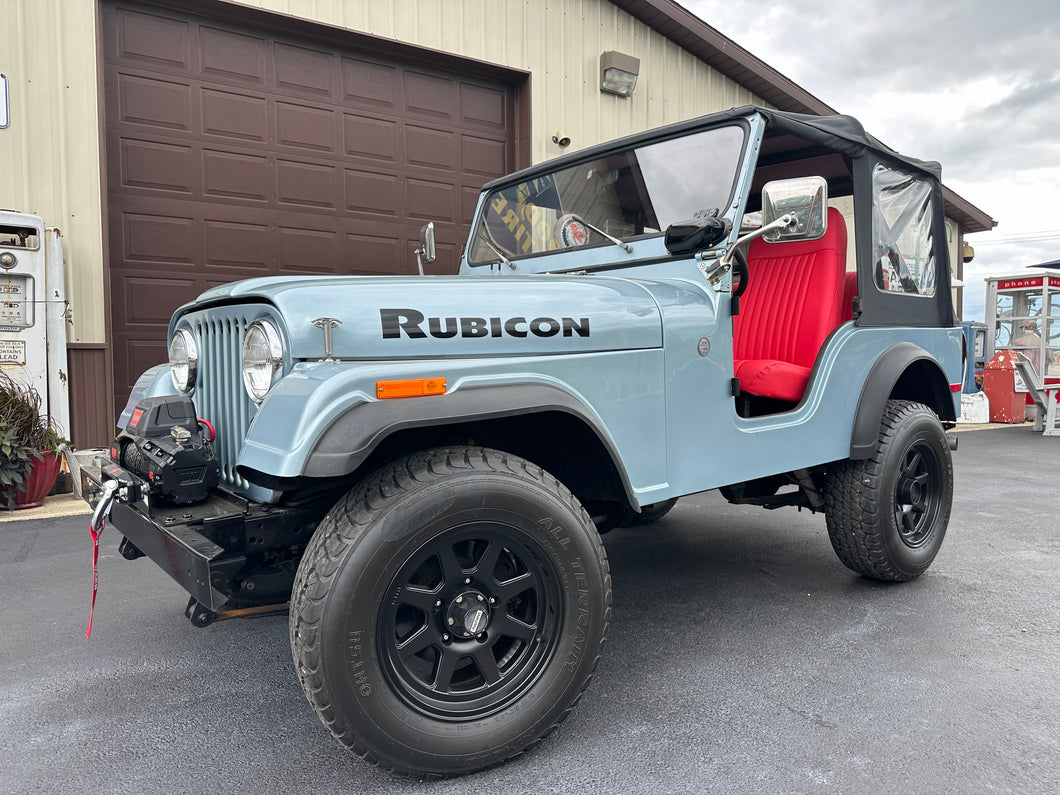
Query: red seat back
(850, 291)
(794, 297)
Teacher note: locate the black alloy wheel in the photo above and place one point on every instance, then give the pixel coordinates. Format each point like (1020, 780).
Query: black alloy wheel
(472, 621)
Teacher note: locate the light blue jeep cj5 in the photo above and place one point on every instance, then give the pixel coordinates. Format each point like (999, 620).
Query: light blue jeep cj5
(753, 301)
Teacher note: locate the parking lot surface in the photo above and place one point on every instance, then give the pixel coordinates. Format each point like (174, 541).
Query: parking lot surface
(742, 657)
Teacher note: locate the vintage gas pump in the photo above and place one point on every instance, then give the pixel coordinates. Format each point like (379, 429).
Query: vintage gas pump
(976, 342)
(33, 310)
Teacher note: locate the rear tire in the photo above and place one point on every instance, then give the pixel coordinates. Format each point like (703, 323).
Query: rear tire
(450, 611)
(887, 514)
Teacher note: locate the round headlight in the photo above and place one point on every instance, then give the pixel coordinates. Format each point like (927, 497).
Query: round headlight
(183, 360)
(262, 359)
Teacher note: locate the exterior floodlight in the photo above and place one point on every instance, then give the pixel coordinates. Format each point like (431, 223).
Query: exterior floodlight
(618, 73)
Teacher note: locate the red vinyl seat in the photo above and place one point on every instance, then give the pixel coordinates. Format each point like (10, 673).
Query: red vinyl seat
(850, 291)
(794, 299)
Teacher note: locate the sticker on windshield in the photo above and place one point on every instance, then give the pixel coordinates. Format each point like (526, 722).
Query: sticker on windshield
(571, 232)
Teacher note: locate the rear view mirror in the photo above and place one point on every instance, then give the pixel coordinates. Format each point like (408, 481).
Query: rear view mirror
(805, 198)
(428, 251)
(704, 230)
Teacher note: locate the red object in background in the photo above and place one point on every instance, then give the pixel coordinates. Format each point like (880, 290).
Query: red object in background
(40, 482)
(999, 384)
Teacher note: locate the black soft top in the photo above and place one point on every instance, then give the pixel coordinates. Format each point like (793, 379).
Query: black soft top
(842, 133)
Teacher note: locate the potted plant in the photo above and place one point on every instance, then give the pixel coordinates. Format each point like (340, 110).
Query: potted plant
(29, 446)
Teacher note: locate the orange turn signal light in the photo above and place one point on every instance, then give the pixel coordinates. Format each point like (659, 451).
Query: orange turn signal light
(419, 387)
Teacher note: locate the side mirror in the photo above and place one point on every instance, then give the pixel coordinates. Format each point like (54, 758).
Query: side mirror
(805, 198)
(427, 250)
(704, 230)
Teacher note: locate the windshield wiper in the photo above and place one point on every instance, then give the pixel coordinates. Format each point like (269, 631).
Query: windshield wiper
(485, 239)
(624, 246)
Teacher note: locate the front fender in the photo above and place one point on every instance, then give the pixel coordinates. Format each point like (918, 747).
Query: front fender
(321, 421)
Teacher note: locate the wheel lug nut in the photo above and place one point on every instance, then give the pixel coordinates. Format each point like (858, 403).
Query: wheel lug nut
(480, 598)
(493, 600)
(452, 621)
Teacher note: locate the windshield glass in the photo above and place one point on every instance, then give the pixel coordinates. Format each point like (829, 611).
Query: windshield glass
(625, 194)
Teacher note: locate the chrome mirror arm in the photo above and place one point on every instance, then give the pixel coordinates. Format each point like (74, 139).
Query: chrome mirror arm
(786, 220)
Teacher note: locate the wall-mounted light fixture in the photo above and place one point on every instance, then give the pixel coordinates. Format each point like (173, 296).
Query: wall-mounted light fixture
(560, 139)
(618, 73)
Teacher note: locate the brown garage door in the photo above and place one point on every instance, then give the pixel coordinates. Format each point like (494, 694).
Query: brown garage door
(235, 151)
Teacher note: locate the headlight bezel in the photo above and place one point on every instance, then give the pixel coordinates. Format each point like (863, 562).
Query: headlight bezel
(262, 330)
(189, 366)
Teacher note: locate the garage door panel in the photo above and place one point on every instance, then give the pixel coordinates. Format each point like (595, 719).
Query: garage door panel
(226, 54)
(152, 38)
(233, 175)
(305, 71)
(157, 238)
(157, 166)
(228, 114)
(367, 253)
(307, 184)
(468, 203)
(485, 156)
(370, 84)
(370, 137)
(145, 349)
(306, 127)
(148, 300)
(377, 193)
(484, 106)
(236, 150)
(428, 96)
(431, 201)
(310, 251)
(154, 102)
(229, 244)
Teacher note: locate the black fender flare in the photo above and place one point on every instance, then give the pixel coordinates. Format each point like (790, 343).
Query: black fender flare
(352, 436)
(880, 384)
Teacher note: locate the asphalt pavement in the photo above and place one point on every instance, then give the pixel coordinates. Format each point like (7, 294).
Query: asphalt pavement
(742, 657)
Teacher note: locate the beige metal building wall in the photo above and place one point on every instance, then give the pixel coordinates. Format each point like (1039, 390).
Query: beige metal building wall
(50, 154)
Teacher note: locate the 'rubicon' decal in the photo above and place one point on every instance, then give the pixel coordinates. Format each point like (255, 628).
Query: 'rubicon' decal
(417, 326)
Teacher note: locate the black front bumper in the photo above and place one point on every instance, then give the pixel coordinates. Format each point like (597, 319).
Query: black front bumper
(173, 536)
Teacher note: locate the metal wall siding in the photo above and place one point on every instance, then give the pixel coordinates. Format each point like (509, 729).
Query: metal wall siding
(50, 154)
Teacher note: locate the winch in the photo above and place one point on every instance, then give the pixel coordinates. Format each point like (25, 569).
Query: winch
(163, 443)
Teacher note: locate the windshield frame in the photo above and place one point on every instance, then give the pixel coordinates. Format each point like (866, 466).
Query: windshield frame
(592, 154)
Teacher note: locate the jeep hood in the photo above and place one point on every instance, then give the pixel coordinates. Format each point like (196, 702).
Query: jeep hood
(394, 317)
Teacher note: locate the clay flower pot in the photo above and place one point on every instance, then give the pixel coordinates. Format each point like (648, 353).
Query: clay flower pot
(39, 482)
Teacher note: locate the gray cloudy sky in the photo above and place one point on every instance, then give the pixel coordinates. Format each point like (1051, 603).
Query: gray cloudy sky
(974, 84)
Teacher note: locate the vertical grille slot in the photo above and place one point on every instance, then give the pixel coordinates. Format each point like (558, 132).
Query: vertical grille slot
(219, 394)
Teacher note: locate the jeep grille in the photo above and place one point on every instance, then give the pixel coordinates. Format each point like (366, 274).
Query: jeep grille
(219, 394)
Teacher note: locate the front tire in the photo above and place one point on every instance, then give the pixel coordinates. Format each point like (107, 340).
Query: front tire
(887, 514)
(450, 611)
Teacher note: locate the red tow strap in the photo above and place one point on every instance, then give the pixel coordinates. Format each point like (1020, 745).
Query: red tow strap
(95, 568)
